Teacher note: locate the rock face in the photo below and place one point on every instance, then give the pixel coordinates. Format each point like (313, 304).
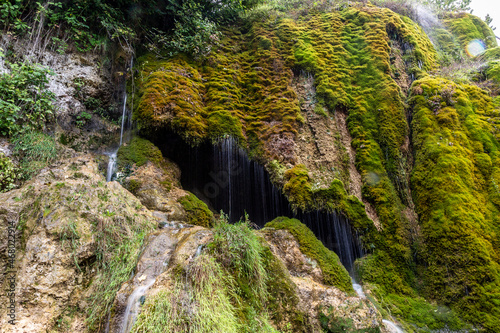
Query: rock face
(57, 219)
(316, 297)
(86, 89)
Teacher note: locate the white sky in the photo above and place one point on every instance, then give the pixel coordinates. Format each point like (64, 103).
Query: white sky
(492, 7)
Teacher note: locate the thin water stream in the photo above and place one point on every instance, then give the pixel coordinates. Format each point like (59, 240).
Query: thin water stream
(126, 124)
(134, 304)
(391, 326)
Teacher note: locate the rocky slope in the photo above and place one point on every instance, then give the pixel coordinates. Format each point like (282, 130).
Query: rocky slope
(79, 239)
(352, 108)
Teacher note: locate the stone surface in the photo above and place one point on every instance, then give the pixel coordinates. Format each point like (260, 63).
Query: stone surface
(314, 296)
(54, 217)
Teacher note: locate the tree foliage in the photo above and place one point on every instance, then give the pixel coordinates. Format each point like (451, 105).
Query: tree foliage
(449, 5)
(182, 25)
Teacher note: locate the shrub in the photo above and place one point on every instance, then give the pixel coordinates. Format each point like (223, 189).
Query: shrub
(8, 173)
(26, 102)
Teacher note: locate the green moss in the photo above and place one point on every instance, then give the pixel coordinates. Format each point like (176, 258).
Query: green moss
(298, 187)
(467, 27)
(134, 185)
(282, 302)
(493, 71)
(197, 211)
(422, 315)
(333, 324)
(452, 191)
(333, 272)
(491, 54)
(138, 152)
(244, 90)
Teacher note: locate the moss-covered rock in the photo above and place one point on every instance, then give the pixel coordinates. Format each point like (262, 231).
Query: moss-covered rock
(138, 152)
(333, 272)
(467, 27)
(455, 142)
(197, 212)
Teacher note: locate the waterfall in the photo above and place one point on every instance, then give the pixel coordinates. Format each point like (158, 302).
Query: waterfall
(125, 127)
(133, 305)
(111, 164)
(225, 178)
(392, 327)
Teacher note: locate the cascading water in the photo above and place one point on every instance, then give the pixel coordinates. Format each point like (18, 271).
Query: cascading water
(393, 327)
(126, 124)
(225, 178)
(134, 305)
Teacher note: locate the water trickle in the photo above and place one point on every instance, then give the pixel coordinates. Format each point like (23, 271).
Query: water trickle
(133, 305)
(126, 125)
(111, 164)
(198, 251)
(226, 179)
(358, 289)
(393, 327)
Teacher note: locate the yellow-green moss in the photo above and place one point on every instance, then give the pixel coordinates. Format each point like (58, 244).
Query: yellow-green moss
(283, 301)
(244, 89)
(467, 27)
(138, 152)
(455, 143)
(197, 211)
(333, 272)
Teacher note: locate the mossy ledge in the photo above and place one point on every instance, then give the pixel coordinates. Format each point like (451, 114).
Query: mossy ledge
(197, 211)
(333, 272)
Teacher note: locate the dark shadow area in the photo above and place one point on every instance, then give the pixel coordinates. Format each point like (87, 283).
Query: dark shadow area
(223, 177)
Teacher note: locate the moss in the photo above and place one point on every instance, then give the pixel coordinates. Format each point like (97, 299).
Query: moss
(333, 324)
(452, 192)
(282, 302)
(491, 54)
(134, 185)
(197, 211)
(333, 272)
(244, 90)
(467, 27)
(138, 152)
(298, 187)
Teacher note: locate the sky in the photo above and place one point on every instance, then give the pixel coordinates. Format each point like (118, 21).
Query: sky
(492, 7)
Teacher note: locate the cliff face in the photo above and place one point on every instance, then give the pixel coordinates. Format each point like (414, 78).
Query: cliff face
(353, 110)
(80, 240)
(324, 97)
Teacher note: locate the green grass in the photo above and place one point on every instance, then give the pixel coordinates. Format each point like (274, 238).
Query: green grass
(35, 150)
(118, 252)
(201, 305)
(227, 288)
